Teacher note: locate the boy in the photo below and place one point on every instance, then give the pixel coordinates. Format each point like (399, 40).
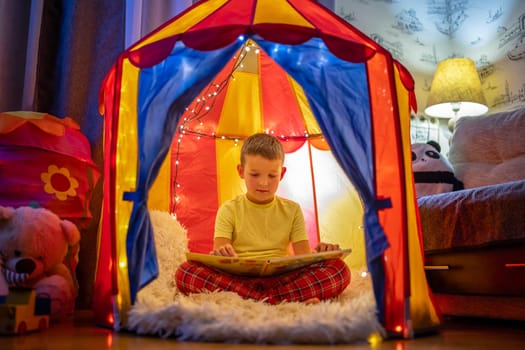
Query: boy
(260, 224)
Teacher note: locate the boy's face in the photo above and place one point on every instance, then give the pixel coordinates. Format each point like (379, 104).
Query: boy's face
(262, 177)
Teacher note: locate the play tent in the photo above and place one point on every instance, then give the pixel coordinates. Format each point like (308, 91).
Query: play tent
(178, 104)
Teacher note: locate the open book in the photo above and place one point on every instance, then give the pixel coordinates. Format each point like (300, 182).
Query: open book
(264, 266)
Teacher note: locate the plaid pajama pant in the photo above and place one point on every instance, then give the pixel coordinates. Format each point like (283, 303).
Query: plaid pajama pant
(323, 280)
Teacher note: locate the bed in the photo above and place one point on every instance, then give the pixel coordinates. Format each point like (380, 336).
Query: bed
(474, 239)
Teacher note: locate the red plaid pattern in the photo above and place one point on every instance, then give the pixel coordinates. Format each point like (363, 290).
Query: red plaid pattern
(323, 280)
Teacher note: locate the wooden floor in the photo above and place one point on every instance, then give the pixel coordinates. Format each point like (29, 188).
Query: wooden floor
(456, 333)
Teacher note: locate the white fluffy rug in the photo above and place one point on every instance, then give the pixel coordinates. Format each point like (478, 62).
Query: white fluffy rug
(225, 317)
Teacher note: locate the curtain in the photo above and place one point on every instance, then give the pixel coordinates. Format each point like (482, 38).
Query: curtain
(53, 57)
(14, 33)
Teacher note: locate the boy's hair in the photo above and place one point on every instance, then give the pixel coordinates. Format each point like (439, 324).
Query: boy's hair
(264, 145)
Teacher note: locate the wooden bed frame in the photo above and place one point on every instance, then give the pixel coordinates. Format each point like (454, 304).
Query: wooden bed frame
(506, 308)
(484, 282)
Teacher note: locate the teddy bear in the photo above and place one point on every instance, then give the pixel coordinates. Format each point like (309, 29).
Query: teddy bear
(33, 245)
(433, 173)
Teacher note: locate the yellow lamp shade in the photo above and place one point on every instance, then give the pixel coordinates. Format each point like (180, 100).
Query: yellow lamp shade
(456, 90)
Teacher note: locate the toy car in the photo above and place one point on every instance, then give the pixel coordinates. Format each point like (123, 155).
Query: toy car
(24, 312)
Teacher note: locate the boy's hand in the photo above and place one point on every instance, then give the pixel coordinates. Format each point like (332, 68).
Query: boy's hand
(325, 247)
(224, 250)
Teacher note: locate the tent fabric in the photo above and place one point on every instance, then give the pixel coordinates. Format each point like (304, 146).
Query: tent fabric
(245, 87)
(359, 98)
(320, 75)
(348, 134)
(215, 24)
(162, 105)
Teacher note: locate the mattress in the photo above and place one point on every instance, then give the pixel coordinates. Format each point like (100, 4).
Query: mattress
(475, 217)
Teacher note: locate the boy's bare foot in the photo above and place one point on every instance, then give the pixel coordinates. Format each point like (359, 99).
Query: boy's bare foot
(312, 301)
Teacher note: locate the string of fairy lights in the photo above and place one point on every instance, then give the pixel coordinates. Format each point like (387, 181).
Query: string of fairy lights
(203, 104)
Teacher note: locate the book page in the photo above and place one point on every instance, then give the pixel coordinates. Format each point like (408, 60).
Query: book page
(293, 262)
(265, 266)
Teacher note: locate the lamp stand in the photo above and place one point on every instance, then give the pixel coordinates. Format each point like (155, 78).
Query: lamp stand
(452, 121)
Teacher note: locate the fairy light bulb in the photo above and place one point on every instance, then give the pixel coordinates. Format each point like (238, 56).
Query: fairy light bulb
(374, 339)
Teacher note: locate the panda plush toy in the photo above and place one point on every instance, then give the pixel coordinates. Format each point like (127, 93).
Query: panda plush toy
(433, 173)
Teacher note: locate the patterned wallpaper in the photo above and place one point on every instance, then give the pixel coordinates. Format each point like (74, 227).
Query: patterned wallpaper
(421, 33)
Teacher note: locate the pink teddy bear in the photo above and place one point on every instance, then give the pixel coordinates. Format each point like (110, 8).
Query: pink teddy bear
(33, 245)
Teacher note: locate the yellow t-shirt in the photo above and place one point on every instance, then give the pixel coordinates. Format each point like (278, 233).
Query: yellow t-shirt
(260, 230)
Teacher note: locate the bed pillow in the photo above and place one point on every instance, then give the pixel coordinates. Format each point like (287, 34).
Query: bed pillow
(489, 149)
